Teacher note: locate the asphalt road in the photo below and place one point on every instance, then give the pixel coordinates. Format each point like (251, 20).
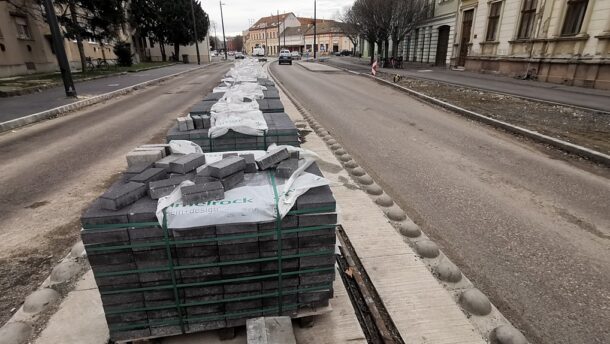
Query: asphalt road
(531, 230)
(16, 107)
(52, 170)
(571, 95)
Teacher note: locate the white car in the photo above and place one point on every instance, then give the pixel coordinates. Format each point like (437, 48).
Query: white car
(285, 57)
(295, 55)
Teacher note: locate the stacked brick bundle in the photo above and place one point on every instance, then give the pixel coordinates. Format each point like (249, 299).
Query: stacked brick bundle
(281, 130)
(156, 281)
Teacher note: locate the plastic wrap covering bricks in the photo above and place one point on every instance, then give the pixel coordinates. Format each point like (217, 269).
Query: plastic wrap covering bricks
(156, 281)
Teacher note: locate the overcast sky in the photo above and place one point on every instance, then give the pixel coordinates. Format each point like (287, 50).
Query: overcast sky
(239, 14)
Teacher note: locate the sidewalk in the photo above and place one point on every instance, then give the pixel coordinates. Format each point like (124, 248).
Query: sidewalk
(15, 107)
(571, 95)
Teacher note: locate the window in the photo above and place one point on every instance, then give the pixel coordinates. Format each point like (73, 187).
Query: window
(493, 20)
(574, 17)
(23, 30)
(528, 16)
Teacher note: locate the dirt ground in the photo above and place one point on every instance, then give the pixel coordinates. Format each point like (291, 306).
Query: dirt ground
(586, 128)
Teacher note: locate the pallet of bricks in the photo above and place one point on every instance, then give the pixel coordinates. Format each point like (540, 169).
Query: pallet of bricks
(251, 90)
(194, 242)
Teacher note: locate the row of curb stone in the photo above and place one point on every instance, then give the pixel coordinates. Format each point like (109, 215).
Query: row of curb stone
(486, 318)
(29, 318)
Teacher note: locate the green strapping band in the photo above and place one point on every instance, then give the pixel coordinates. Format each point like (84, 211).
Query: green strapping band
(170, 259)
(278, 230)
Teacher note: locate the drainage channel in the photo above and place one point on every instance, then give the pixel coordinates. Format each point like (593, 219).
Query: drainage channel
(374, 319)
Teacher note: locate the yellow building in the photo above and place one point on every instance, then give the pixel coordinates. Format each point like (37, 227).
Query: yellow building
(330, 37)
(559, 41)
(266, 34)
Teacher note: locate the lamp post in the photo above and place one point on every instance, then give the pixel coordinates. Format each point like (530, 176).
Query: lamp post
(224, 39)
(195, 32)
(60, 52)
(279, 36)
(315, 33)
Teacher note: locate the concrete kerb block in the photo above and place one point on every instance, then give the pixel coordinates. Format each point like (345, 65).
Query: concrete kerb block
(395, 214)
(78, 250)
(345, 157)
(350, 164)
(340, 152)
(39, 300)
(373, 189)
(366, 180)
(506, 334)
(327, 138)
(475, 302)
(409, 229)
(447, 271)
(384, 200)
(65, 271)
(331, 142)
(323, 133)
(335, 146)
(17, 332)
(357, 171)
(427, 249)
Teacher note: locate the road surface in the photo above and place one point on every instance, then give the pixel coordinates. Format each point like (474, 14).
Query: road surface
(52, 170)
(531, 230)
(16, 107)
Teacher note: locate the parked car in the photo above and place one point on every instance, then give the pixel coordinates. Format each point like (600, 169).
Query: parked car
(295, 55)
(239, 55)
(258, 51)
(231, 53)
(346, 53)
(285, 57)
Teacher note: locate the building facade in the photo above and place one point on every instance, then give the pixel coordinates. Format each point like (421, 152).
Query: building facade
(25, 42)
(266, 32)
(330, 37)
(559, 41)
(432, 41)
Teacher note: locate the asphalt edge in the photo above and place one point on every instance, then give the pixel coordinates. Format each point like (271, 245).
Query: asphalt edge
(581, 151)
(491, 323)
(55, 112)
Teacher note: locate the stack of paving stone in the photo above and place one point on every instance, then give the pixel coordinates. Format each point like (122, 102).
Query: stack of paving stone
(281, 130)
(156, 282)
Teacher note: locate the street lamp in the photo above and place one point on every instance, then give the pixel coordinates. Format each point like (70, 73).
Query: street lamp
(195, 32)
(60, 52)
(315, 21)
(224, 39)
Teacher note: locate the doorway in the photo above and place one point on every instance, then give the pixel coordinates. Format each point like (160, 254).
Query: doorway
(468, 16)
(442, 45)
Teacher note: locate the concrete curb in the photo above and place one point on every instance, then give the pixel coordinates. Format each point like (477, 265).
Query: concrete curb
(557, 143)
(31, 90)
(37, 117)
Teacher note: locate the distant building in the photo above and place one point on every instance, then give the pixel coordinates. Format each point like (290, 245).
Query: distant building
(559, 41)
(296, 34)
(266, 31)
(330, 37)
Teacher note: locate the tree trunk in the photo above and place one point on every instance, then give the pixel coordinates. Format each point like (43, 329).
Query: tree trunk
(386, 48)
(380, 48)
(163, 53)
(79, 38)
(176, 52)
(103, 53)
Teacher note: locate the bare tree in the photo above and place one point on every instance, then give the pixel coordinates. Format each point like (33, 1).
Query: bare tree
(351, 28)
(406, 15)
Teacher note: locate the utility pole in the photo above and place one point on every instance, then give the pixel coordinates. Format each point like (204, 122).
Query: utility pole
(224, 38)
(266, 42)
(279, 36)
(195, 32)
(315, 33)
(60, 52)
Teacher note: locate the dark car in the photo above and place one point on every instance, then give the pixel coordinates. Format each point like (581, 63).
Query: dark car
(346, 53)
(285, 57)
